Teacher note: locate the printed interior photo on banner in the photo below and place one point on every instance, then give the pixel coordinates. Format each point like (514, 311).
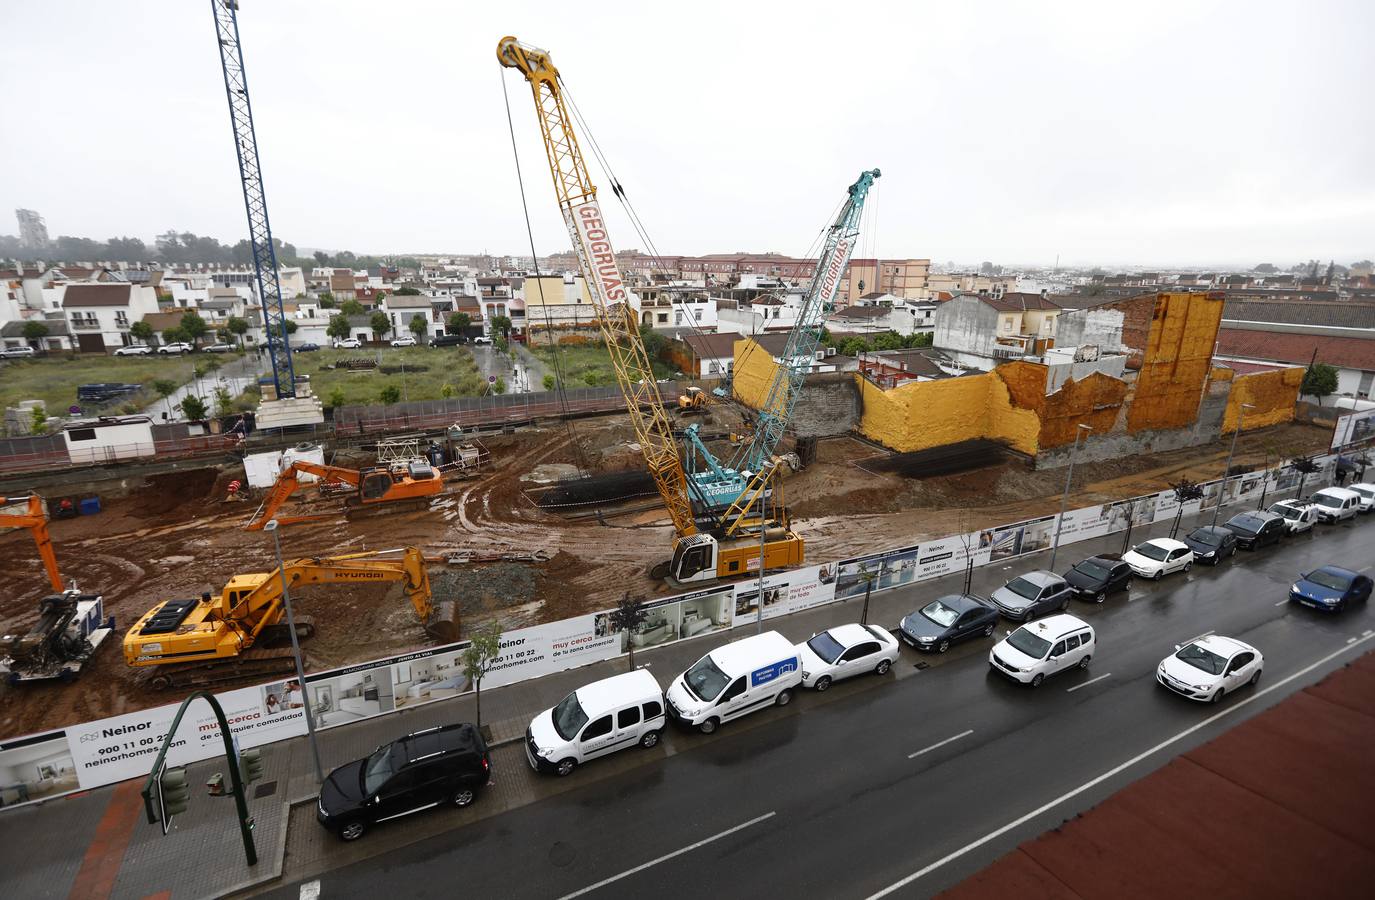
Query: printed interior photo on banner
(281, 696)
(747, 602)
(36, 768)
(1024, 537)
(351, 696)
(417, 681)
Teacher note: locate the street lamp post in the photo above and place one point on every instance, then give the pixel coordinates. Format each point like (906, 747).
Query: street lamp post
(1241, 414)
(1064, 501)
(271, 526)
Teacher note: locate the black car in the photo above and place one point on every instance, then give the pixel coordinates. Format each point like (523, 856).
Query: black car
(1096, 577)
(447, 340)
(307, 347)
(1256, 529)
(446, 765)
(946, 620)
(1211, 543)
(103, 391)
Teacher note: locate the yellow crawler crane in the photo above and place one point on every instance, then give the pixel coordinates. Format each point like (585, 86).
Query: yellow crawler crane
(733, 547)
(241, 633)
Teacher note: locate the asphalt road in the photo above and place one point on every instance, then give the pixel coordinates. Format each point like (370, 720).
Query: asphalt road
(933, 775)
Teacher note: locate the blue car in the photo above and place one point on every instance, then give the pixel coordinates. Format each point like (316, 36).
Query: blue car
(1330, 588)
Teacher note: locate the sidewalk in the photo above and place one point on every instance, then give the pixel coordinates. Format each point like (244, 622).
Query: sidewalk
(202, 855)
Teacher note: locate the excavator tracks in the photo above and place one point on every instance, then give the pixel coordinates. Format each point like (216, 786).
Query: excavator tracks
(273, 656)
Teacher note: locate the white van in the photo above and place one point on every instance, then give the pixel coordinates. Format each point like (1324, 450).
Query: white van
(1336, 504)
(1042, 648)
(1367, 492)
(595, 720)
(735, 680)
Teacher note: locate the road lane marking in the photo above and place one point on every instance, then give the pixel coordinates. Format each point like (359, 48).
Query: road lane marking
(941, 744)
(310, 890)
(1046, 807)
(1282, 602)
(667, 856)
(1087, 683)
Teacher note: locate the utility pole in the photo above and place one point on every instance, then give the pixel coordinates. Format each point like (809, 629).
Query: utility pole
(1241, 414)
(1064, 500)
(296, 653)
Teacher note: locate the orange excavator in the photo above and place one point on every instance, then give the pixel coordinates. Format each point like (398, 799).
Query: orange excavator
(243, 633)
(70, 626)
(391, 488)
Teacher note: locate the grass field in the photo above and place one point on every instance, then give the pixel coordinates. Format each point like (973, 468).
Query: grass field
(418, 373)
(54, 380)
(587, 365)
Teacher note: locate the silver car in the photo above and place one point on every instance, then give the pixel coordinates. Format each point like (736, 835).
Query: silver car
(1031, 595)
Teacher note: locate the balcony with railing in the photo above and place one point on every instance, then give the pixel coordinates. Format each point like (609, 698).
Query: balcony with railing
(85, 324)
(1013, 346)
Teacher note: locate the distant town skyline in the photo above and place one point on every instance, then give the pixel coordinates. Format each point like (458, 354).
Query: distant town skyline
(1174, 135)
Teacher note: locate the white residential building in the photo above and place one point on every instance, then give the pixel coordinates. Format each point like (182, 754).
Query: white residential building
(99, 315)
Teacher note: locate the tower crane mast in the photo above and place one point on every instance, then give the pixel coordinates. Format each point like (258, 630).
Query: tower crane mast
(255, 200)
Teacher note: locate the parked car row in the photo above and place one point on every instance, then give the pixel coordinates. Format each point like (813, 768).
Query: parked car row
(450, 765)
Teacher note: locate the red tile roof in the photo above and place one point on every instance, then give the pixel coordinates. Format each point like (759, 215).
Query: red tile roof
(1345, 352)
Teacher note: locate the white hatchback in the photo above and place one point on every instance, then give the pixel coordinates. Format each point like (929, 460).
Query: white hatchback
(1044, 647)
(348, 344)
(1210, 667)
(845, 651)
(403, 342)
(1159, 557)
(134, 350)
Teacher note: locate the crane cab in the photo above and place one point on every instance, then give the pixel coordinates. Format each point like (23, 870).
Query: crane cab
(702, 558)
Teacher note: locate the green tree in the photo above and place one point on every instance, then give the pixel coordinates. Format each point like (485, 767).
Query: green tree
(419, 327)
(406, 291)
(447, 390)
(483, 650)
(175, 335)
(193, 408)
(654, 341)
(500, 386)
(326, 300)
(390, 394)
(290, 326)
(502, 325)
(165, 388)
(629, 616)
(39, 425)
(338, 326)
(380, 323)
(194, 326)
(550, 382)
(456, 322)
(920, 339)
(590, 379)
(224, 402)
(237, 326)
(351, 308)
(854, 346)
(336, 398)
(889, 340)
(35, 330)
(141, 331)
(1319, 381)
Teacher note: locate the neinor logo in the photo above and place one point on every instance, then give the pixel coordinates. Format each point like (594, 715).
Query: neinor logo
(124, 729)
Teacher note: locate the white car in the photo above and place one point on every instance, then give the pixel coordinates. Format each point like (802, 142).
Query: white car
(348, 344)
(175, 347)
(482, 340)
(134, 350)
(1042, 648)
(844, 651)
(403, 342)
(17, 352)
(1367, 492)
(1210, 667)
(1159, 557)
(1298, 517)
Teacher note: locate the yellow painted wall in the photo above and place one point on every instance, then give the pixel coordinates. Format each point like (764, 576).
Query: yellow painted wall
(753, 374)
(923, 414)
(1273, 394)
(1176, 362)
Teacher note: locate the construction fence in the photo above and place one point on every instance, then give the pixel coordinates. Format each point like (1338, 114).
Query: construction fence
(122, 747)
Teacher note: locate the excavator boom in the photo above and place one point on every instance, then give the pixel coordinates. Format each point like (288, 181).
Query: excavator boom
(373, 486)
(35, 519)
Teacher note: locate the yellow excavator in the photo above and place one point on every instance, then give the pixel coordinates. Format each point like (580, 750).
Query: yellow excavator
(242, 633)
(393, 488)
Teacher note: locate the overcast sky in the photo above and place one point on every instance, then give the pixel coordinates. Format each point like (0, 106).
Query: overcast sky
(1146, 133)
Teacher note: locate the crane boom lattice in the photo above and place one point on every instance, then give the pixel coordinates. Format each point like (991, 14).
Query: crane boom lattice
(255, 201)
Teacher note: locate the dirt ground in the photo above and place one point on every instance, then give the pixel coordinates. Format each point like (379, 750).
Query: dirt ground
(177, 538)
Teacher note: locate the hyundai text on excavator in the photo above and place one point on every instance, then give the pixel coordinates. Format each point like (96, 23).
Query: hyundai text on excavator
(241, 633)
(730, 545)
(390, 488)
(71, 625)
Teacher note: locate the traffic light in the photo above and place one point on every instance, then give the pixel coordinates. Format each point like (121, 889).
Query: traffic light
(250, 766)
(174, 795)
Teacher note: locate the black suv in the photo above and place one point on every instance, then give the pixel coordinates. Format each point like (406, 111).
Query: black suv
(447, 340)
(444, 765)
(1096, 577)
(1211, 543)
(1256, 529)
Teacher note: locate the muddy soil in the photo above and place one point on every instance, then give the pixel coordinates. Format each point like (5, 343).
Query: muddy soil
(177, 538)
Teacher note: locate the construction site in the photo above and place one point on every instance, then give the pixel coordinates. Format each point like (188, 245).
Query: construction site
(420, 538)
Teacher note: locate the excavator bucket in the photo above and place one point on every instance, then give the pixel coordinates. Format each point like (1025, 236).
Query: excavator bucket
(443, 622)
